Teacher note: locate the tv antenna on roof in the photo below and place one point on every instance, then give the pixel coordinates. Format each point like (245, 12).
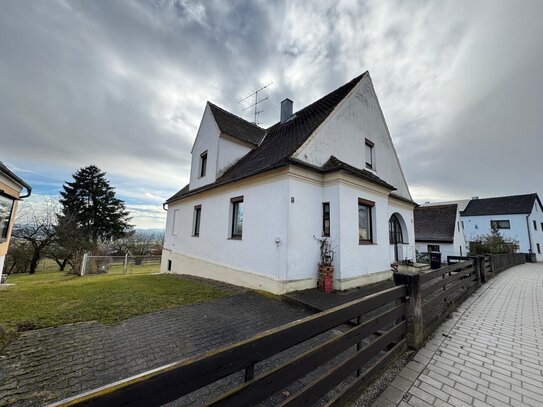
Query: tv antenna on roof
(256, 102)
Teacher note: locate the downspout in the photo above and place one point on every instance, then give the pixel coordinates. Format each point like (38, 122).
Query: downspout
(529, 234)
(164, 206)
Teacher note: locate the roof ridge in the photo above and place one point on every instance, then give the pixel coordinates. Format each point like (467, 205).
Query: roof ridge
(236, 116)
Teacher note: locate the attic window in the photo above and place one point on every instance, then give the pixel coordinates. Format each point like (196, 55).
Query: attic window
(369, 155)
(203, 164)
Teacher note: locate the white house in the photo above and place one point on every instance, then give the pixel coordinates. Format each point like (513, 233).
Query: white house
(519, 217)
(258, 198)
(438, 228)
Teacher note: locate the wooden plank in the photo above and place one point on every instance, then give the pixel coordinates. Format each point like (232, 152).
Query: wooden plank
(444, 295)
(311, 393)
(251, 393)
(444, 270)
(170, 382)
(429, 289)
(349, 393)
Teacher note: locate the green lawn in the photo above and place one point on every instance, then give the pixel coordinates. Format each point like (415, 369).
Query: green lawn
(53, 298)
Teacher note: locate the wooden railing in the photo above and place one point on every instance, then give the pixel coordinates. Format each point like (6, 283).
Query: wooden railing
(379, 331)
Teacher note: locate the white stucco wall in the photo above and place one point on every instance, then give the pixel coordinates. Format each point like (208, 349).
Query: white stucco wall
(265, 209)
(480, 225)
(344, 132)
(207, 138)
(446, 249)
(536, 235)
(229, 152)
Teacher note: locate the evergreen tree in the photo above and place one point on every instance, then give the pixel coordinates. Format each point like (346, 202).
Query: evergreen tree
(89, 200)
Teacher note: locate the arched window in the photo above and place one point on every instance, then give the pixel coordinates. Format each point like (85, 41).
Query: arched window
(395, 230)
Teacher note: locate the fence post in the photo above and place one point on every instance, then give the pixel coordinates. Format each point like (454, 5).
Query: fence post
(415, 325)
(479, 265)
(84, 264)
(125, 263)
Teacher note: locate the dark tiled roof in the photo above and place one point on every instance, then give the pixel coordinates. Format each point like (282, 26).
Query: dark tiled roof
(237, 127)
(435, 223)
(503, 205)
(281, 140)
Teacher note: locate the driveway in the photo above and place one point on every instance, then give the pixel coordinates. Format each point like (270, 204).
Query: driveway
(54, 363)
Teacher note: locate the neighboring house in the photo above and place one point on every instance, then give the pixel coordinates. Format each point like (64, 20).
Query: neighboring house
(519, 217)
(438, 229)
(10, 192)
(258, 199)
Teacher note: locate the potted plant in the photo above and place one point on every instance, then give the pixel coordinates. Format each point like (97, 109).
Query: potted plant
(326, 268)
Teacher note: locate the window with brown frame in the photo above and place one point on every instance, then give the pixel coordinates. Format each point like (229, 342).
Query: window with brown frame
(196, 222)
(369, 154)
(365, 227)
(203, 164)
(237, 217)
(326, 219)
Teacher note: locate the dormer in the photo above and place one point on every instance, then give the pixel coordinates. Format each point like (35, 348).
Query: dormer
(222, 139)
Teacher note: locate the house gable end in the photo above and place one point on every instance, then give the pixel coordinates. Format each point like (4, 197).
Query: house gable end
(344, 133)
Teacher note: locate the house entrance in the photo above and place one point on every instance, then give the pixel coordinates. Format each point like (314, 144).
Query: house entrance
(395, 234)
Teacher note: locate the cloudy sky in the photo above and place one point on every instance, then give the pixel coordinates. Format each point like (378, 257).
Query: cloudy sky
(123, 84)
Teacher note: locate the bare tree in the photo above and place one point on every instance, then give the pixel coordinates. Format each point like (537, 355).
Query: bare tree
(137, 243)
(34, 231)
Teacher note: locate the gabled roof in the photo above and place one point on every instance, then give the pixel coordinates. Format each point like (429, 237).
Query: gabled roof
(435, 223)
(503, 205)
(236, 127)
(280, 140)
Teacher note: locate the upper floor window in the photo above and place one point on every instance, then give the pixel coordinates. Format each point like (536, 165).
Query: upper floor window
(370, 158)
(237, 217)
(500, 224)
(542, 226)
(535, 225)
(365, 231)
(174, 221)
(196, 222)
(6, 208)
(203, 164)
(538, 248)
(326, 219)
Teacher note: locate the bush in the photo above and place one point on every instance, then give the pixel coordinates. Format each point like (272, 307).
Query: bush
(492, 243)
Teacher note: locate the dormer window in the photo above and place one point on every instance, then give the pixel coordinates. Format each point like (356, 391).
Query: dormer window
(370, 158)
(203, 164)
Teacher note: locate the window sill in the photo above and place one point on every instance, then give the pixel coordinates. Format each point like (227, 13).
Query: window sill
(366, 243)
(195, 236)
(235, 238)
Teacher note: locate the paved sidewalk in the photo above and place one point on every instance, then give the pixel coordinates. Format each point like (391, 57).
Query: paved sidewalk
(490, 353)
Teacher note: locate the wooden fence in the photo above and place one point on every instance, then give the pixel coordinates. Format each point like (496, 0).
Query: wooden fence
(378, 328)
(381, 335)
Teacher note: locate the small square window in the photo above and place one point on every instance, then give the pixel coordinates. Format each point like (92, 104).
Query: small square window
(203, 164)
(434, 248)
(326, 219)
(196, 222)
(237, 217)
(370, 155)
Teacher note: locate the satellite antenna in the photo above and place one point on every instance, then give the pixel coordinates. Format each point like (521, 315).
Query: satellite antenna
(256, 102)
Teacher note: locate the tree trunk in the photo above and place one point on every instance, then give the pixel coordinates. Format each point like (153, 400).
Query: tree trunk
(63, 264)
(34, 264)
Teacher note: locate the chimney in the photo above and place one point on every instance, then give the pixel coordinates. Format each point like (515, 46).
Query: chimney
(474, 197)
(286, 110)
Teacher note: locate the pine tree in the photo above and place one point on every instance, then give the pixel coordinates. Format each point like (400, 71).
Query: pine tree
(89, 200)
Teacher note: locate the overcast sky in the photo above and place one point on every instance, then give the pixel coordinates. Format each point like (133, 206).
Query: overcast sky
(123, 85)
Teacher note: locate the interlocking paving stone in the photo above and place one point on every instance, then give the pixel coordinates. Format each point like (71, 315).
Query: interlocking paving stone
(490, 353)
(53, 363)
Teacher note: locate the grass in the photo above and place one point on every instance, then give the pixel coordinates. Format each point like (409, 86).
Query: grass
(50, 298)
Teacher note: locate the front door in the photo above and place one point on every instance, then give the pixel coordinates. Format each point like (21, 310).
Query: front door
(395, 234)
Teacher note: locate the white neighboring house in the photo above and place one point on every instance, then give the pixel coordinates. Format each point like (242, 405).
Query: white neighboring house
(438, 228)
(258, 198)
(519, 217)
